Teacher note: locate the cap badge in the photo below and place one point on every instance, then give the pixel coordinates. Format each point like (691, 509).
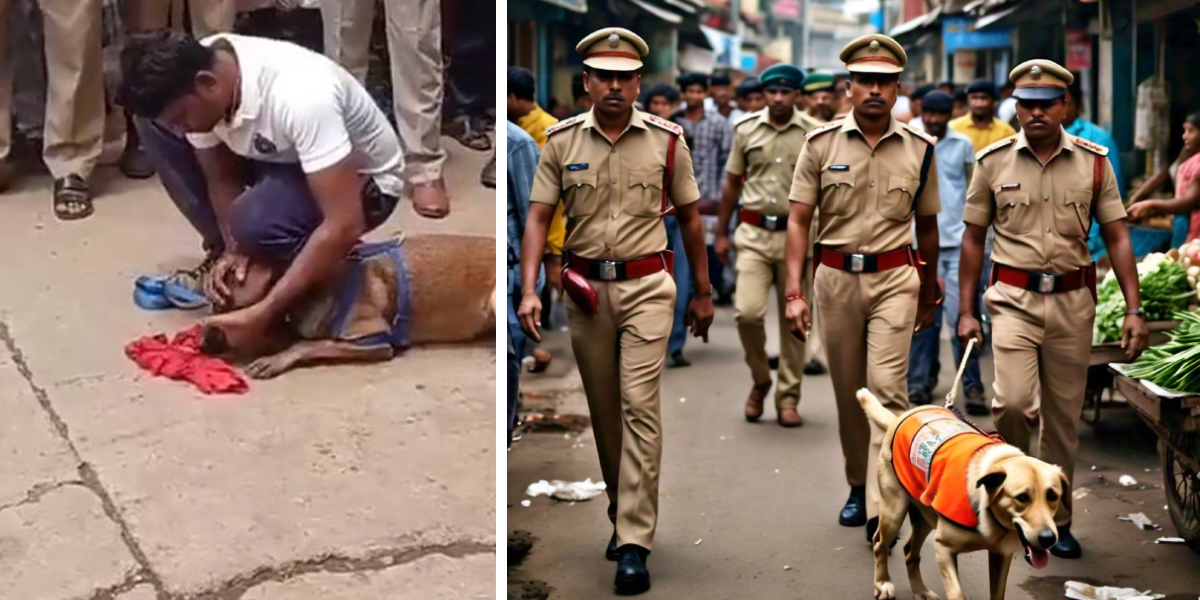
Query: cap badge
(874, 46)
(614, 40)
(1035, 72)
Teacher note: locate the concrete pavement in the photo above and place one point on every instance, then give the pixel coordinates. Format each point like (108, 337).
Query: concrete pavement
(364, 482)
(750, 510)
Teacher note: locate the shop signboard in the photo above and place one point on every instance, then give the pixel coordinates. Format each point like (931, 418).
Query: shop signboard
(1079, 50)
(959, 33)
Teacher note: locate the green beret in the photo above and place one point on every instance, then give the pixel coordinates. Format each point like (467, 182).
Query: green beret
(782, 75)
(816, 82)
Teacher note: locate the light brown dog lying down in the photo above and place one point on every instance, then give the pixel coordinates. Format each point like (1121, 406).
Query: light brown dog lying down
(974, 492)
(449, 289)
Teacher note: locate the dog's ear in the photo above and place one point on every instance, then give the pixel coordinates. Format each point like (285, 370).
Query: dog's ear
(994, 479)
(1066, 485)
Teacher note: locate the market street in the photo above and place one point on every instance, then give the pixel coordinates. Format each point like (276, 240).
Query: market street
(749, 510)
(116, 485)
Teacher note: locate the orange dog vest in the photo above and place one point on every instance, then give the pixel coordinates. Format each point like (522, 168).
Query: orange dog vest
(930, 454)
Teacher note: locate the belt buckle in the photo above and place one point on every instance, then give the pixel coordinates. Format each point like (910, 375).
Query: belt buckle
(1045, 283)
(856, 263)
(608, 270)
(770, 222)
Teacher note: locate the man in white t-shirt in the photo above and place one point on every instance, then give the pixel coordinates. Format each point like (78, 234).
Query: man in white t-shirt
(271, 151)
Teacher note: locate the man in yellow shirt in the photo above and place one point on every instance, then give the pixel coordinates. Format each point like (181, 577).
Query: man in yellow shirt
(981, 124)
(525, 112)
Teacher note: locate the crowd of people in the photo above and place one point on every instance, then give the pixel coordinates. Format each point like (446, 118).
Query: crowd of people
(848, 172)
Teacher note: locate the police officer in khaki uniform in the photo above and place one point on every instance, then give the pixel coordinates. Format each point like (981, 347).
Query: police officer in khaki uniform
(1040, 190)
(869, 174)
(617, 171)
(761, 162)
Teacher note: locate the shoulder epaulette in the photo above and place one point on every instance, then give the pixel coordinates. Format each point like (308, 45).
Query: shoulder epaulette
(1090, 145)
(747, 117)
(830, 126)
(996, 146)
(663, 123)
(921, 134)
(559, 126)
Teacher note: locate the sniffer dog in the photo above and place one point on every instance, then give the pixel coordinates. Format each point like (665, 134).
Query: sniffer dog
(971, 490)
(409, 290)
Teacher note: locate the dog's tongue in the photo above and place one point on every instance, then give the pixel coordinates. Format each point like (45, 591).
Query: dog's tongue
(1036, 557)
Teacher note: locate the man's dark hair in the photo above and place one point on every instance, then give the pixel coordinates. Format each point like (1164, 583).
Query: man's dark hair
(661, 90)
(721, 79)
(1076, 92)
(1194, 119)
(521, 83)
(937, 102)
(922, 91)
(158, 67)
(689, 79)
(960, 95)
(747, 86)
(577, 89)
(1008, 85)
(982, 86)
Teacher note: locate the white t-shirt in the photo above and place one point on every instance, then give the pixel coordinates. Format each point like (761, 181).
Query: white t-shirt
(298, 106)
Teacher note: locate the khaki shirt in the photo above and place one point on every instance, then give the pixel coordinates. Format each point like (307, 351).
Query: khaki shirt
(767, 157)
(865, 196)
(612, 191)
(1041, 214)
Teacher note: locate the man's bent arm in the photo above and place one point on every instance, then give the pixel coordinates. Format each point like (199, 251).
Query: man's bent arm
(693, 243)
(224, 184)
(338, 191)
(970, 263)
(796, 252)
(729, 195)
(533, 244)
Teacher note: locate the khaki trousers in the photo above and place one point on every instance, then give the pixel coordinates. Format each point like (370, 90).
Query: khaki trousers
(760, 265)
(620, 353)
(867, 320)
(1041, 341)
(414, 38)
(208, 16)
(74, 133)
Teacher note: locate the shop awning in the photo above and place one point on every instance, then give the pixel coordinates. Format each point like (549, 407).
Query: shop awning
(662, 13)
(916, 24)
(1015, 14)
(579, 6)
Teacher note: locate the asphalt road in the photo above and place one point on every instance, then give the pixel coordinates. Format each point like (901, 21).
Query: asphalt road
(750, 510)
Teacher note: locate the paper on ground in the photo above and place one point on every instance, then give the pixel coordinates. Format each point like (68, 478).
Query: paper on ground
(1139, 519)
(1127, 481)
(1083, 591)
(574, 491)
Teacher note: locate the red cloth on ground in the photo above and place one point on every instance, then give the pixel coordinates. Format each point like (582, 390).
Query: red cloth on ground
(181, 359)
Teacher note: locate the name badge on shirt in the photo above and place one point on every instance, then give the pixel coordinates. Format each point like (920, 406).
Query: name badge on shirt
(839, 167)
(577, 167)
(1010, 186)
(262, 145)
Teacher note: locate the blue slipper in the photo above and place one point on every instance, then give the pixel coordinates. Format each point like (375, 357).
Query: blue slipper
(148, 293)
(182, 296)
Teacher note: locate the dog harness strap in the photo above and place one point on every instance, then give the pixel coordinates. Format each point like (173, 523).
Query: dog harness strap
(397, 336)
(400, 325)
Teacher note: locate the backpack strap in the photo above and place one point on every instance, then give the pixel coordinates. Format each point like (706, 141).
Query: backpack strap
(924, 174)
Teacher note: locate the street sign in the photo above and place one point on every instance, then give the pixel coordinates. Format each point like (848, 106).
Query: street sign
(958, 33)
(1079, 50)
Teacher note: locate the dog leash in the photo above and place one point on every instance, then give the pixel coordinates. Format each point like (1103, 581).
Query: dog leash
(962, 366)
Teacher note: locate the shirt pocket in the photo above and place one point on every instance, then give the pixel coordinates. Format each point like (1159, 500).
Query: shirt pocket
(897, 203)
(643, 195)
(837, 192)
(1013, 212)
(1074, 215)
(579, 194)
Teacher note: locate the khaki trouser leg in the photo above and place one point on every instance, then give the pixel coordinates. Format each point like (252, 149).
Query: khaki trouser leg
(844, 318)
(893, 314)
(1017, 336)
(347, 25)
(147, 15)
(755, 275)
(75, 98)
(791, 349)
(212, 16)
(6, 83)
(414, 31)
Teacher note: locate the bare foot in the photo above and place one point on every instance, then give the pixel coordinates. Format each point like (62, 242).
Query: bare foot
(430, 199)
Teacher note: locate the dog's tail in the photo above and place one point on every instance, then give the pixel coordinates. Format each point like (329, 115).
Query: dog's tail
(874, 409)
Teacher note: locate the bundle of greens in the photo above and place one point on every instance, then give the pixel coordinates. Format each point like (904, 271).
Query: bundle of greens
(1164, 289)
(1174, 365)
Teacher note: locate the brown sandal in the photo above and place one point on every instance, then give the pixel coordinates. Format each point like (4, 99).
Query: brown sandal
(72, 198)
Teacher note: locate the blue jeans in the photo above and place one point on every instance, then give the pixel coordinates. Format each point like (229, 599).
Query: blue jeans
(683, 284)
(924, 351)
(518, 347)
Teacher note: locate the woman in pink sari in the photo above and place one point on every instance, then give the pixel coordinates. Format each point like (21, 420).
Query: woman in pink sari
(1187, 184)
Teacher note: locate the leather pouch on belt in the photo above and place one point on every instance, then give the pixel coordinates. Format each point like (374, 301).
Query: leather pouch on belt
(581, 291)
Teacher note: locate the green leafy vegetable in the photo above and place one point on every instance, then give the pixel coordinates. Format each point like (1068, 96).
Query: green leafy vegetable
(1174, 365)
(1164, 290)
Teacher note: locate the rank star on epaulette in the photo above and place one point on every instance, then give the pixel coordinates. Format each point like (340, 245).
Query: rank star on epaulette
(822, 129)
(665, 124)
(563, 124)
(1089, 145)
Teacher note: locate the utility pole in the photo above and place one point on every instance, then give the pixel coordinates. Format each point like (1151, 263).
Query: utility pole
(806, 35)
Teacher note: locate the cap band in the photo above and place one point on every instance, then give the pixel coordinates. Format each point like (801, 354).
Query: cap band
(614, 54)
(820, 85)
(883, 59)
(1048, 87)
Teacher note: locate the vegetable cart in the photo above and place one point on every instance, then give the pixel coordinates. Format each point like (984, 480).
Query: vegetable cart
(1100, 377)
(1175, 418)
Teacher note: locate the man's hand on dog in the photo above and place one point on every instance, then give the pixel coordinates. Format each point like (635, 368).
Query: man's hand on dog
(529, 314)
(216, 281)
(242, 327)
(799, 320)
(700, 316)
(1135, 337)
(969, 328)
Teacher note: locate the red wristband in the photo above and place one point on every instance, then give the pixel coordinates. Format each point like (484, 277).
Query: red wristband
(791, 297)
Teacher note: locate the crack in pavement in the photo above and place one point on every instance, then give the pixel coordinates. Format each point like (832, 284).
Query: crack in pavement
(37, 491)
(378, 560)
(87, 473)
(114, 592)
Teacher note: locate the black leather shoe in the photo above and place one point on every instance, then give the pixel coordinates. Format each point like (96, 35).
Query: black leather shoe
(854, 513)
(610, 553)
(976, 405)
(1067, 546)
(632, 576)
(815, 367)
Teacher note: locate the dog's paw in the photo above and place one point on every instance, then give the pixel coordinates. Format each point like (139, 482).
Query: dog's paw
(924, 595)
(885, 591)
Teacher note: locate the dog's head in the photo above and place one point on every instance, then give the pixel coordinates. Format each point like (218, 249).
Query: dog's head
(1023, 494)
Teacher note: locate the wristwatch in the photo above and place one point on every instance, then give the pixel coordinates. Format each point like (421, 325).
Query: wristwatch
(1136, 311)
